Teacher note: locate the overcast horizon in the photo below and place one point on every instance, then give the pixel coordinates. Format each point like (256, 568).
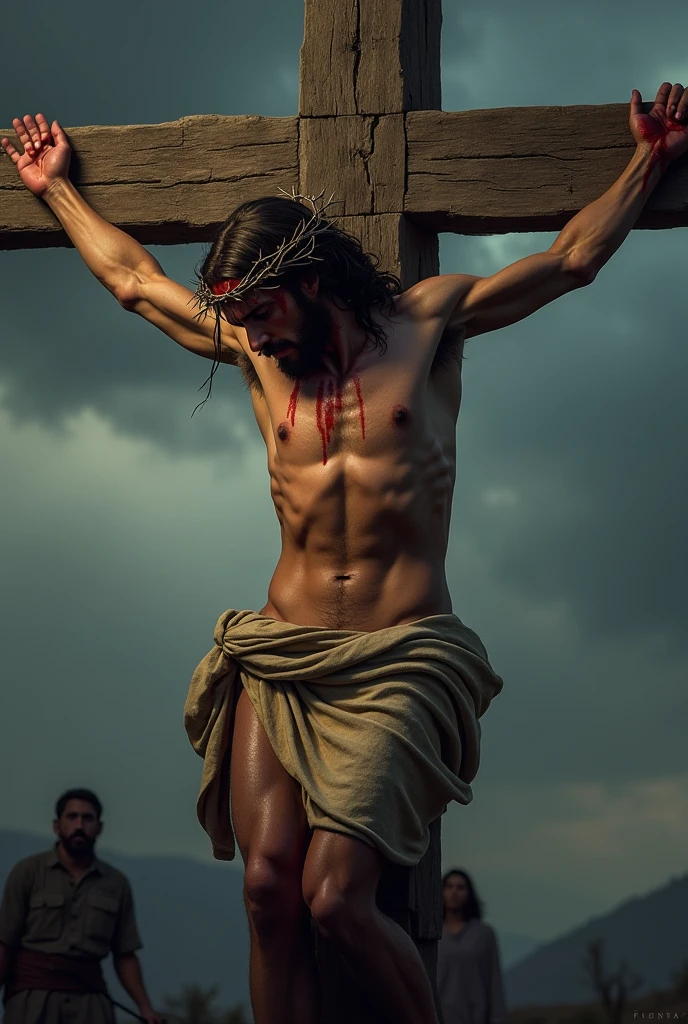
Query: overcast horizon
(128, 527)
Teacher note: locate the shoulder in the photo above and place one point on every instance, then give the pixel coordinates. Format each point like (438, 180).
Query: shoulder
(434, 298)
(26, 871)
(484, 930)
(30, 865)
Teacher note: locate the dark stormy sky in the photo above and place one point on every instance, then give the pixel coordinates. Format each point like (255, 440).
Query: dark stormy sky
(127, 527)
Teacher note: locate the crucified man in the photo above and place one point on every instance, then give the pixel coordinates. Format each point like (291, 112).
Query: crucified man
(346, 712)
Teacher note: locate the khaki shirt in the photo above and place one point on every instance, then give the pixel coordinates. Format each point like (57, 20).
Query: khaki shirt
(45, 909)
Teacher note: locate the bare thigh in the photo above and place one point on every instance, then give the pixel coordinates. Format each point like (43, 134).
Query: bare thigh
(267, 809)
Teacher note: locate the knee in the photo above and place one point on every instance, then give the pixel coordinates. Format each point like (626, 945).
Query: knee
(339, 916)
(272, 894)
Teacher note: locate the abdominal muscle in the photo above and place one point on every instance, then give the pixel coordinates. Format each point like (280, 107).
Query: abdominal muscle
(363, 540)
(364, 597)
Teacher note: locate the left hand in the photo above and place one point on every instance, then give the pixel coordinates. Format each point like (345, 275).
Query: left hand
(151, 1017)
(664, 130)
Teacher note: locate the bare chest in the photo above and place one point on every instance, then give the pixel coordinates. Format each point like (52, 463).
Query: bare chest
(362, 415)
(327, 417)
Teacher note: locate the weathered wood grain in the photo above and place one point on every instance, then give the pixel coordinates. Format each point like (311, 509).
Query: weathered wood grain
(370, 57)
(473, 172)
(402, 247)
(525, 169)
(371, 131)
(419, 254)
(361, 159)
(173, 182)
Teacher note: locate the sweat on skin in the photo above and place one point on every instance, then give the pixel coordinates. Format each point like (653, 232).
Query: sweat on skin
(361, 457)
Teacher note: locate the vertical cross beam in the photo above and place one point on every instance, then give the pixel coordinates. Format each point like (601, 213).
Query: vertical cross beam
(364, 64)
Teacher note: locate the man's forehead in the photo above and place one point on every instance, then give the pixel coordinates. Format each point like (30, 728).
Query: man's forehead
(78, 806)
(238, 309)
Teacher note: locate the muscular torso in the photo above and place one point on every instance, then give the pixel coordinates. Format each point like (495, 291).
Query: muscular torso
(362, 472)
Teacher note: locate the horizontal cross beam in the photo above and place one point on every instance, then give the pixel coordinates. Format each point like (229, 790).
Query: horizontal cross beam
(491, 171)
(163, 183)
(473, 172)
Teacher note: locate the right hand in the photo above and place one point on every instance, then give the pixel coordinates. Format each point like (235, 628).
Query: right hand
(46, 155)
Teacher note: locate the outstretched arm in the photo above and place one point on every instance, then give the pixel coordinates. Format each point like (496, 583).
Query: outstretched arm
(587, 242)
(120, 263)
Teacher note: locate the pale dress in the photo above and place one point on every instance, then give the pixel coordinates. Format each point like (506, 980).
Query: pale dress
(469, 976)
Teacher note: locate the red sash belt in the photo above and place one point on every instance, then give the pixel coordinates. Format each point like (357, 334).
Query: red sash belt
(34, 970)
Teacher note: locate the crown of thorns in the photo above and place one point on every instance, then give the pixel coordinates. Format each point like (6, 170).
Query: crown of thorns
(297, 251)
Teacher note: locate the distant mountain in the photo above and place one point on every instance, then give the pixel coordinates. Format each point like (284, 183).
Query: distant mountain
(648, 931)
(192, 920)
(513, 947)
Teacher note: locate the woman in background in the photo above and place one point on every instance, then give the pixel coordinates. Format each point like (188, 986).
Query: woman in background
(469, 975)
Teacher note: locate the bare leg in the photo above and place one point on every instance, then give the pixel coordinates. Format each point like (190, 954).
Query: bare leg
(273, 835)
(339, 883)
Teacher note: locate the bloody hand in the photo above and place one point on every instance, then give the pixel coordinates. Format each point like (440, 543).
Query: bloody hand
(664, 130)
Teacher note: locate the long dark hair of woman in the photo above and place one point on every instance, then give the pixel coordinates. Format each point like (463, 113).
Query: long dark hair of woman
(473, 907)
(348, 275)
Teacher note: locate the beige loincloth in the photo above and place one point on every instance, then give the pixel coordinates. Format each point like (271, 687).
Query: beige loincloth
(380, 729)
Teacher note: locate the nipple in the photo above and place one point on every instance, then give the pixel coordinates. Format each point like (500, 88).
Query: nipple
(400, 415)
(283, 432)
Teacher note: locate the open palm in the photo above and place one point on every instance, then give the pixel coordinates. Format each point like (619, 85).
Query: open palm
(46, 152)
(665, 126)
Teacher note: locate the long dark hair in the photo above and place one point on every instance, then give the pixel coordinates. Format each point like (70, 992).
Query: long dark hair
(348, 275)
(473, 907)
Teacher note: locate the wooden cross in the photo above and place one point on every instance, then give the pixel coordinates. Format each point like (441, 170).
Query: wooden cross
(370, 129)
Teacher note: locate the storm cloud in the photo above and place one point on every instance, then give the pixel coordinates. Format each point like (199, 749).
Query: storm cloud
(128, 527)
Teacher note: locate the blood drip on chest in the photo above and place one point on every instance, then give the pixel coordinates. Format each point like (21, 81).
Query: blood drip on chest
(328, 402)
(293, 400)
(361, 406)
(328, 406)
(283, 428)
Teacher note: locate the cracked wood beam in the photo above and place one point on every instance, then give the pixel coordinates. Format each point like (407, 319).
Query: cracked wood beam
(474, 172)
(364, 63)
(370, 57)
(361, 159)
(380, 58)
(407, 250)
(163, 183)
(479, 172)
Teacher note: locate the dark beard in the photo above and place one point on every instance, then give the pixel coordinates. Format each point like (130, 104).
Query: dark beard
(79, 850)
(313, 337)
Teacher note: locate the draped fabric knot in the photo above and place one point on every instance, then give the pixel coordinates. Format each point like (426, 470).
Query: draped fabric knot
(381, 730)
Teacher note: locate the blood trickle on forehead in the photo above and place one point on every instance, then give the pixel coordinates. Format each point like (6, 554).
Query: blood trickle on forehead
(223, 287)
(242, 308)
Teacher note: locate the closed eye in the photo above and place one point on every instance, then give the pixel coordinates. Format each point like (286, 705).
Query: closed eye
(258, 314)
